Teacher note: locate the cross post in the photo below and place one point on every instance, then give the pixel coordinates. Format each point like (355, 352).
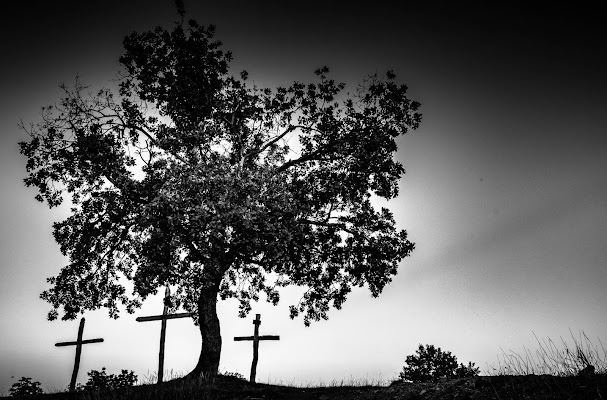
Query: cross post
(256, 338)
(163, 328)
(78, 343)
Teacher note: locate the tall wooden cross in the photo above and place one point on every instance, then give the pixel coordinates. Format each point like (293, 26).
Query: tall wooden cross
(256, 338)
(78, 343)
(165, 315)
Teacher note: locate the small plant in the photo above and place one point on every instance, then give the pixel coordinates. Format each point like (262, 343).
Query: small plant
(25, 387)
(465, 371)
(431, 364)
(234, 375)
(99, 380)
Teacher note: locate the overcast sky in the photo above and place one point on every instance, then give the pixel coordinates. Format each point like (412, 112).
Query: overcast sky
(505, 194)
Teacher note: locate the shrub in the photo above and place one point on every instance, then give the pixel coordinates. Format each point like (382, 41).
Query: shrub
(464, 371)
(431, 364)
(25, 387)
(99, 380)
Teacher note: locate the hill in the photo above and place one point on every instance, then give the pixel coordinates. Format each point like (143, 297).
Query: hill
(480, 387)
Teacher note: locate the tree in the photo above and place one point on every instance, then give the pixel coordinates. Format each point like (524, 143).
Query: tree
(432, 364)
(187, 178)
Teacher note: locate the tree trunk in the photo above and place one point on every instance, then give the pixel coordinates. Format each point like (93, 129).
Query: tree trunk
(210, 351)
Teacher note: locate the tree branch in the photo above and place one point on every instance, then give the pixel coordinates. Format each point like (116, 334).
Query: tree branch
(315, 155)
(340, 226)
(269, 143)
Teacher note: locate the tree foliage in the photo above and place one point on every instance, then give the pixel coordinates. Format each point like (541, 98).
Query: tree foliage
(431, 364)
(192, 177)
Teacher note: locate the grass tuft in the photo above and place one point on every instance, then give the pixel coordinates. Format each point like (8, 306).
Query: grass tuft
(367, 381)
(563, 359)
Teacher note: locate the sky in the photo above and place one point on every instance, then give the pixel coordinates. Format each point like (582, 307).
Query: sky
(505, 193)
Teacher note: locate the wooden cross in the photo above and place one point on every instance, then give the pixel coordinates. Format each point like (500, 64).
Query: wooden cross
(78, 343)
(163, 329)
(256, 338)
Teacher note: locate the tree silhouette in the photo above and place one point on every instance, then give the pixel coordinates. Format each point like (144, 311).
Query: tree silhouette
(193, 178)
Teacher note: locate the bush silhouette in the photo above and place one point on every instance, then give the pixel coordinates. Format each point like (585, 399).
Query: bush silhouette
(25, 387)
(99, 380)
(431, 364)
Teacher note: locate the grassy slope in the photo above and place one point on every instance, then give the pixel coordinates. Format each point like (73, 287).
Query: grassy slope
(485, 387)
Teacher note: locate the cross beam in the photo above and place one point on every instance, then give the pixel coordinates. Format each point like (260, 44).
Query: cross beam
(262, 337)
(163, 328)
(78, 343)
(164, 317)
(256, 338)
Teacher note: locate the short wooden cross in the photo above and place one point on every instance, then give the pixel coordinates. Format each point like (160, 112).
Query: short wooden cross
(256, 338)
(78, 343)
(163, 329)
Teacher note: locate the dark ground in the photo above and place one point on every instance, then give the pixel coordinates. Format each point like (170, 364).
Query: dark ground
(483, 387)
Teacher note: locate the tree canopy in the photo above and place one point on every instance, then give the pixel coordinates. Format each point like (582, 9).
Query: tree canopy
(191, 177)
